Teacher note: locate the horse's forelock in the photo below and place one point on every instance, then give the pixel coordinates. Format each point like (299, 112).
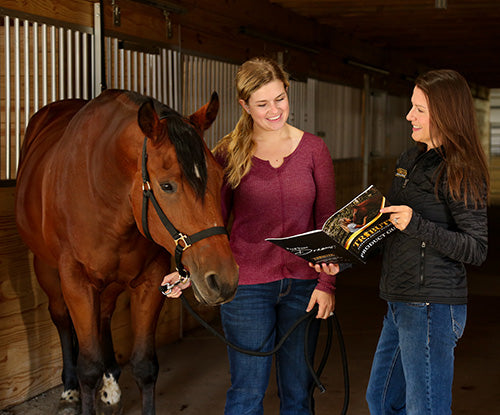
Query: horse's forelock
(188, 145)
(189, 149)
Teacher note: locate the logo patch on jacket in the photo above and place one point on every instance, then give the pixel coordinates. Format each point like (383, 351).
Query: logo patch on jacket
(400, 172)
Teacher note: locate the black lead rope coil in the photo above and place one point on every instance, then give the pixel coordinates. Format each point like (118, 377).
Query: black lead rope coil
(315, 374)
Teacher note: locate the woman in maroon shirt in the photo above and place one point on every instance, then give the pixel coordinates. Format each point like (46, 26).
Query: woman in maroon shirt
(278, 182)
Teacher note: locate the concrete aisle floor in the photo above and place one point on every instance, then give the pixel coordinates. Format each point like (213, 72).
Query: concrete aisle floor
(194, 374)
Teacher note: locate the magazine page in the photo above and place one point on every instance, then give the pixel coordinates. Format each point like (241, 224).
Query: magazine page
(359, 226)
(314, 246)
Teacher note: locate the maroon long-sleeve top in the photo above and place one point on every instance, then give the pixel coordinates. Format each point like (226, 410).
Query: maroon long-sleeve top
(296, 197)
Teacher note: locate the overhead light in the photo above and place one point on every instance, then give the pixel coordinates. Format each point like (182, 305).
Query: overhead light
(441, 4)
(366, 66)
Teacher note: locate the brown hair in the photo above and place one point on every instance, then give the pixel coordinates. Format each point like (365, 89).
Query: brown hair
(238, 145)
(454, 127)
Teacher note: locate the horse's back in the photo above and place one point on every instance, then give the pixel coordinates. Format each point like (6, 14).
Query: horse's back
(44, 130)
(47, 125)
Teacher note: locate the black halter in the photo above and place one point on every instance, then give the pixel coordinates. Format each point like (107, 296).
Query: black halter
(182, 241)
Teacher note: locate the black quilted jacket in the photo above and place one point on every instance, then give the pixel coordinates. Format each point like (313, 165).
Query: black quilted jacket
(425, 262)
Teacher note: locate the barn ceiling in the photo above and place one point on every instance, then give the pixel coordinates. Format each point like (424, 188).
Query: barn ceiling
(460, 34)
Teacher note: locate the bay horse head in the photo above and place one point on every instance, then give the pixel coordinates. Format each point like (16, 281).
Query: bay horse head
(181, 180)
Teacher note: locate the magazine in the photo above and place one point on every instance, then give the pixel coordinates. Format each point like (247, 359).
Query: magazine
(349, 235)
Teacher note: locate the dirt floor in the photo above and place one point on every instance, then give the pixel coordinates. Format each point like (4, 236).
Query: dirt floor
(194, 375)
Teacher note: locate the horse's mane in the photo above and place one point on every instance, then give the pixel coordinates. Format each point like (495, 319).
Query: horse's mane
(189, 147)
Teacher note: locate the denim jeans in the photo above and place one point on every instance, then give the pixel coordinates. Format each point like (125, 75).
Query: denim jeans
(256, 319)
(412, 371)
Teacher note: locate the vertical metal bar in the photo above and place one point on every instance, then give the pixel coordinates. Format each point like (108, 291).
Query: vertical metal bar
(108, 56)
(44, 67)
(85, 66)
(114, 46)
(17, 89)
(61, 63)
(69, 63)
(93, 80)
(154, 75)
(164, 69)
(7, 96)
(170, 58)
(122, 69)
(26, 86)
(129, 69)
(135, 88)
(97, 52)
(158, 77)
(141, 72)
(78, 80)
(147, 68)
(53, 62)
(177, 79)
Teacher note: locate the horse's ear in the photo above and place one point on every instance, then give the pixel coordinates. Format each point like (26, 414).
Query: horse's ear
(205, 116)
(148, 120)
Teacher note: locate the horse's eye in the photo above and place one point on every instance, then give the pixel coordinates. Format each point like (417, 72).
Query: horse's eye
(167, 187)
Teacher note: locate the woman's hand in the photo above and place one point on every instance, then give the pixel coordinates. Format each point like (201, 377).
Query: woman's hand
(177, 290)
(330, 269)
(400, 215)
(325, 301)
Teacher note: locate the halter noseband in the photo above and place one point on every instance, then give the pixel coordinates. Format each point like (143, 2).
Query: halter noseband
(182, 241)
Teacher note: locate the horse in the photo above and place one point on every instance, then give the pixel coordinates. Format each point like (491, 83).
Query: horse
(88, 171)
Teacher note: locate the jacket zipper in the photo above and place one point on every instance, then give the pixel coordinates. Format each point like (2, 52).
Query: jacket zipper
(422, 261)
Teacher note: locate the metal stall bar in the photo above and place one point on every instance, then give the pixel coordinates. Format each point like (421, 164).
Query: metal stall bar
(7, 96)
(69, 63)
(53, 73)
(44, 68)
(78, 92)
(26, 85)
(85, 66)
(146, 63)
(122, 68)
(17, 91)
(61, 63)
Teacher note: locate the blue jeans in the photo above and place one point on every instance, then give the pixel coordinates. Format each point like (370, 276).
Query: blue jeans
(256, 319)
(412, 371)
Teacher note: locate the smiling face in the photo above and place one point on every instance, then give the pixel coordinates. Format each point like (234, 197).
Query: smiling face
(420, 118)
(268, 106)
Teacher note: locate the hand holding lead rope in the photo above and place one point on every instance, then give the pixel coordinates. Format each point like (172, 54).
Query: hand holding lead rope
(173, 283)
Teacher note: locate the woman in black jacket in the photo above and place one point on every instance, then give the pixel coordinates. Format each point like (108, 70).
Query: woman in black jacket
(438, 196)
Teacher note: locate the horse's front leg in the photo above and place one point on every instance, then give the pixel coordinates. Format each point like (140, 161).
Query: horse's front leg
(145, 306)
(82, 299)
(49, 280)
(109, 396)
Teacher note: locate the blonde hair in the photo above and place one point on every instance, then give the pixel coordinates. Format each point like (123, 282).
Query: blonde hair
(237, 146)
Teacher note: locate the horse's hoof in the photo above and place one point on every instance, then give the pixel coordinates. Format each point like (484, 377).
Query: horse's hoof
(70, 403)
(109, 397)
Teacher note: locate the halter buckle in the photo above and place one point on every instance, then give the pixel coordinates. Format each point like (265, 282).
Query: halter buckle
(184, 239)
(146, 186)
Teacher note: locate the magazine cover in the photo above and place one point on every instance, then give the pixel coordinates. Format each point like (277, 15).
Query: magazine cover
(349, 235)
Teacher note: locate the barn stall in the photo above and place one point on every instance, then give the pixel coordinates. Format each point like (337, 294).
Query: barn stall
(52, 49)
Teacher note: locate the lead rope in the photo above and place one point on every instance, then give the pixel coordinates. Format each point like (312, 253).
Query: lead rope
(315, 374)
